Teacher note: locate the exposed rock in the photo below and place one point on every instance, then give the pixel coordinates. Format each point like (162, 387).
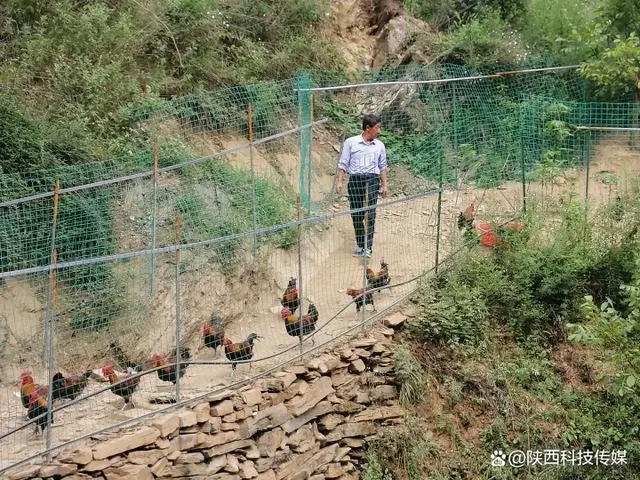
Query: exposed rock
(146, 457)
(202, 411)
(187, 418)
(221, 409)
(383, 392)
(317, 391)
(129, 472)
(396, 320)
(252, 397)
(113, 447)
(380, 413)
(167, 424)
(320, 409)
(60, 470)
(81, 456)
(269, 442)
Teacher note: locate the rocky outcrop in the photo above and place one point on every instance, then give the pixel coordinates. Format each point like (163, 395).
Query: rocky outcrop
(309, 421)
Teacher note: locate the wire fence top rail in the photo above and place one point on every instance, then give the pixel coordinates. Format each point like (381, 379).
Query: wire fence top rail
(438, 81)
(608, 129)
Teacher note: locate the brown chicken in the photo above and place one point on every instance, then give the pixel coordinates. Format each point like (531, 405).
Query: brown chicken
(292, 321)
(169, 372)
(290, 296)
(466, 218)
(122, 386)
(37, 409)
(238, 352)
(379, 279)
(28, 386)
(213, 333)
(360, 299)
(69, 387)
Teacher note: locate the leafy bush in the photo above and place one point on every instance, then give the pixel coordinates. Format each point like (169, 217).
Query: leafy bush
(453, 313)
(399, 449)
(535, 286)
(546, 25)
(486, 40)
(410, 377)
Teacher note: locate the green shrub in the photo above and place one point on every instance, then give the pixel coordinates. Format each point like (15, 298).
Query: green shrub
(410, 377)
(485, 40)
(451, 314)
(399, 449)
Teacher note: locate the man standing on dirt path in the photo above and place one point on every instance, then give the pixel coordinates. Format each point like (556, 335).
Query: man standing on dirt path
(364, 158)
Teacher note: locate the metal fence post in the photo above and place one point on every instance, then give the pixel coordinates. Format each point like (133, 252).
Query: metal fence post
(154, 214)
(365, 259)
(178, 312)
(50, 316)
(523, 172)
(304, 115)
(439, 212)
(300, 296)
(587, 161)
(253, 177)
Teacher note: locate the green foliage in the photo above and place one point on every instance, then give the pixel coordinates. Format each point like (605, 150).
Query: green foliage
(547, 25)
(486, 40)
(616, 72)
(410, 377)
(617, 335)
(399, 449)
(446, 13)
(535, 286)
(372, 470)
(451, 313)
(26, 145)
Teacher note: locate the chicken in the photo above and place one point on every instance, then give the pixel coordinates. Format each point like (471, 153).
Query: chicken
(290, 296)
(237, 352)
(493, 237)
(380, 279)
(122, 386)
(27, 386)
(213, 333)
(168, 373)
(361, 301)
(69, 387)
(466, 218)
(37, 407)
(292, 321)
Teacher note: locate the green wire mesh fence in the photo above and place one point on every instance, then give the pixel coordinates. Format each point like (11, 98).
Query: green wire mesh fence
(90, 275)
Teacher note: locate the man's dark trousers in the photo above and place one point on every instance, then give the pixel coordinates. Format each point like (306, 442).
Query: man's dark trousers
(363, 190)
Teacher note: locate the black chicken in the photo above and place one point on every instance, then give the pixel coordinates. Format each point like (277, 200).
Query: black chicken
(169, 372)
(213, 333)
(69, 387)
(238, 352)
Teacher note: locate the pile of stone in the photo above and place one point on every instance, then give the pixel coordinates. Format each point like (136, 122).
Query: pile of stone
(309, 421)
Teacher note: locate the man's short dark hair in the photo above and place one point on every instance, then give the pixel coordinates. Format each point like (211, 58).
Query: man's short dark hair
(370, 121)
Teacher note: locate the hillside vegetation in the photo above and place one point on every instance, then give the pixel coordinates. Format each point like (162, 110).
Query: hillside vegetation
(75, 72)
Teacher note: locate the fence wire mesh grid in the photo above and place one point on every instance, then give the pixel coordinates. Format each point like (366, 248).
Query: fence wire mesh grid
(146, 260)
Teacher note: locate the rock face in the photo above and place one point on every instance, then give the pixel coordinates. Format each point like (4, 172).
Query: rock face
(308, 421)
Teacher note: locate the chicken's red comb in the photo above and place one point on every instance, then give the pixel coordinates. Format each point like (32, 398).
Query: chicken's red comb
(26, 373)
(285, 312)
(107, 370)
